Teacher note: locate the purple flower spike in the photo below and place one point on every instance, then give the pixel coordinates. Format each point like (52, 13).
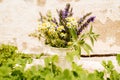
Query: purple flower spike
(81, 20)
(64, 14)
(67, 11)
(91, 19)
(81, 28)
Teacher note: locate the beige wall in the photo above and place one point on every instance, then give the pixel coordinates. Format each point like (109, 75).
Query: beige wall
(19, 17)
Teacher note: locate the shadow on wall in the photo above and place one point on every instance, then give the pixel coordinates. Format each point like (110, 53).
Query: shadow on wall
(110, 31)
(41, 2)
(0, 1)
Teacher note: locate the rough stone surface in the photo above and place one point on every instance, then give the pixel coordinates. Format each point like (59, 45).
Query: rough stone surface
(18, 18)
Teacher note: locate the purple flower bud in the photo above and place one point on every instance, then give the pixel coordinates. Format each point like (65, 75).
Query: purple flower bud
(91, 19)
(82, 27)
(85, 25)
(55, 21)
(80, 21)
(64, 14)
(83, 18)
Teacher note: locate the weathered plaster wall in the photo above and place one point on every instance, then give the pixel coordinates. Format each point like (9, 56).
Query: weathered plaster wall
(18, 18)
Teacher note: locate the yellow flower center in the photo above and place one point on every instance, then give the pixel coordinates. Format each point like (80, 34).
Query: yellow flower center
(60, 28)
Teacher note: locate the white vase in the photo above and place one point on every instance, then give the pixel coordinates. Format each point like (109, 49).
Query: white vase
(56, 51)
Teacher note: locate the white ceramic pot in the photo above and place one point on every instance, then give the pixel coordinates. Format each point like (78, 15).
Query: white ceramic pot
(56, 51)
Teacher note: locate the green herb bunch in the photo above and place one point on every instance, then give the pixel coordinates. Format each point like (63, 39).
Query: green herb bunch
(67, 31)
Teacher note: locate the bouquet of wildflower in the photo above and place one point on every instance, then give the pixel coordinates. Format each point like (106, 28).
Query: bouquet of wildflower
(66, 31)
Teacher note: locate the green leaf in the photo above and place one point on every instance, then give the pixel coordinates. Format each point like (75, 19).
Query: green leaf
(92, 40)
(91, 28)
(55, 58)
(95, 36)
(87, 48)
(49, 77)
(38, 56)
(77, 49)
(5, 70)
(73, 33)
(108, 66)
(118, 58)
(30, 60)
(114, 75)
(75, 67)
(78, 54)
(83, 36)
(81, 42)
(99, 75)
(70, 56)
(67, 75)
(91, 77)
(47, 61)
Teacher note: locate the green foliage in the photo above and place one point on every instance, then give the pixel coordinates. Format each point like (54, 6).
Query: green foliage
(113, 74)
(93, 36)
(118, 58)
(13, 65)
(80, 44)
(108, 65)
